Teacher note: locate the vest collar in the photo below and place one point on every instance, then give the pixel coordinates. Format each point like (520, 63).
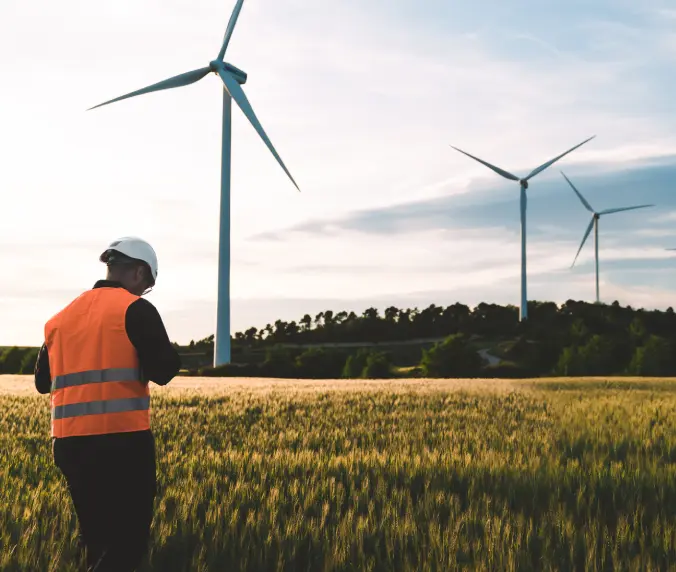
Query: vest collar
(107, 284)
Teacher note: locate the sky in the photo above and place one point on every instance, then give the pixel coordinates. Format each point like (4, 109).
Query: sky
(362, 100)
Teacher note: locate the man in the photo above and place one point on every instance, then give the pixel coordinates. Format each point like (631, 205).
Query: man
(99, 353)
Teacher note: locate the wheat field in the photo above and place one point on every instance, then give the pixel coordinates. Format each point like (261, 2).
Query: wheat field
(415, 475)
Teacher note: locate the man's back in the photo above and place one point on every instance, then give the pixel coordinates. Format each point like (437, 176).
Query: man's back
(159, 361)
(142, 325)
(97, 386)
(90, 332)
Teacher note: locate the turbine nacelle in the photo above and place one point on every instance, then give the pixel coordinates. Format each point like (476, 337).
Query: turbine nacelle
(237, 73)
(523, 183)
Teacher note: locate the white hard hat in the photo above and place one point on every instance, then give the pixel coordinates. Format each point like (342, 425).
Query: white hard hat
(135, 248)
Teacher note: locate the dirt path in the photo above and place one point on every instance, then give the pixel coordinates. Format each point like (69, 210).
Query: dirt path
(489, 357)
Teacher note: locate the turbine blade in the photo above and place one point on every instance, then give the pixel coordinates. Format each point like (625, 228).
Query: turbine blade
(610, 211)
(498, 170)
(579, 194)
(555, 159)
(586, 234)
(230, 28)
(176, 81)
(237, 93)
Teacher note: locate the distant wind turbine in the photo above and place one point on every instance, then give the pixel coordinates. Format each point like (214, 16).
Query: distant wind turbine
(523, 184)
(232, 79)
(594, 222)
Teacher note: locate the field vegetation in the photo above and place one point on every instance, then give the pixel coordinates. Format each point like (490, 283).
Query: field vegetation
(420, 475)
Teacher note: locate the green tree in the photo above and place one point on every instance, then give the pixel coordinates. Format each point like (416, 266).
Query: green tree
(451, 358)
(654, 358)
(597, 356)
(10, 360)
(250, 335)
(278, 362)
(279, 332)
(569, 363)
(355, 364)
(637, 331)
(28, 361)
(319, 363)
(370, 314)
(391, 314)
(377, 366)
(341, 317)
(578, 332)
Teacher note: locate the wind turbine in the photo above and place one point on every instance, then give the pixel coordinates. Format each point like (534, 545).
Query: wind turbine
(594, 222)
(523, 184)
(232, 78)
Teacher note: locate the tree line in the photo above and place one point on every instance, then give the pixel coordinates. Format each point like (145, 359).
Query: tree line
(571, 339)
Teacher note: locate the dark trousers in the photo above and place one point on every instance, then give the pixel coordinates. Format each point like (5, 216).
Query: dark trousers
(112, 482)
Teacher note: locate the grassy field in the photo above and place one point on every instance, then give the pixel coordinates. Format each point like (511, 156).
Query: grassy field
(355, 475)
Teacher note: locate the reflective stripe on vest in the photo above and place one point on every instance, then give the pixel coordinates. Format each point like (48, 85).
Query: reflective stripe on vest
(97, 386)
(96, 376)
(100, 407)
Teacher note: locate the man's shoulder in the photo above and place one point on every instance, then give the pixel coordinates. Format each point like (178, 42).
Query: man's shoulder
(143, 305)
(69, 305)
(141, 310)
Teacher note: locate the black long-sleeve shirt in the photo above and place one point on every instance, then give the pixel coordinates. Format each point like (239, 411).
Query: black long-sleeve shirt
(158, 358)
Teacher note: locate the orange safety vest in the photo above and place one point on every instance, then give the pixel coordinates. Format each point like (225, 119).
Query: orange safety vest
(97, 386)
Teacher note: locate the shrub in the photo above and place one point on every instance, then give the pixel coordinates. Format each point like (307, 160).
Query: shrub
(28, 361)
(654, 358)
(355, 364)
(377, 366)
(278, 362)
(11, 359)
(451, 358)
(318, 363)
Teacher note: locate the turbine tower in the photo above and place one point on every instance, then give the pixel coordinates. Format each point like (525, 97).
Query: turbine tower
(594, 222)
(523, 184)
(232, 79)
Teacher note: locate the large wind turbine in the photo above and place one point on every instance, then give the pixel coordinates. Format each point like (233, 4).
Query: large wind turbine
(523, 184)
(594, 222)
(232, 79)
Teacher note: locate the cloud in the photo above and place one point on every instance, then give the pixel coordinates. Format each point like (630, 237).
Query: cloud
(553, 209)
